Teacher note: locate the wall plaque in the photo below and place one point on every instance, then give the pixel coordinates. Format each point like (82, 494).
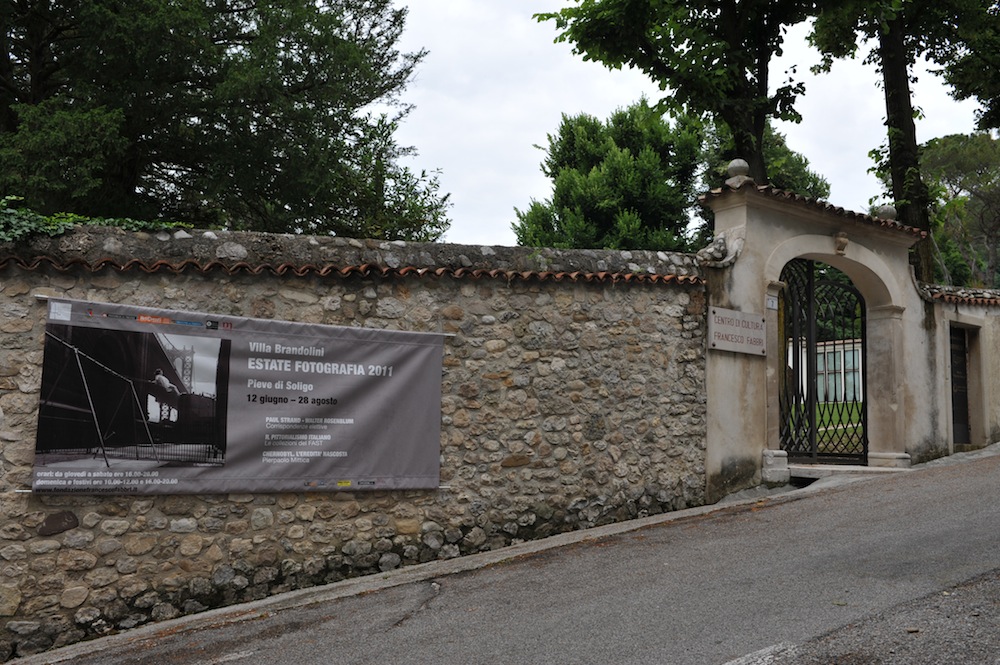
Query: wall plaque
(739, 332)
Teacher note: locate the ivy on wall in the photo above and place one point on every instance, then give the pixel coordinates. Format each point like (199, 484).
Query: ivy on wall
(19, 223)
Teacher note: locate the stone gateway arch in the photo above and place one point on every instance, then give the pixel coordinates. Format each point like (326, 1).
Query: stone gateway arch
(905, 396)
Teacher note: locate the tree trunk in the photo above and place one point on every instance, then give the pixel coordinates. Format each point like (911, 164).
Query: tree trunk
(909, 190)
(8, 119)
(754, 156)
(749, 143)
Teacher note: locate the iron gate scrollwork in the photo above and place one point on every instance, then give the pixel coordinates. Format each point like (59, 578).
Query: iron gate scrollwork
(823, 408)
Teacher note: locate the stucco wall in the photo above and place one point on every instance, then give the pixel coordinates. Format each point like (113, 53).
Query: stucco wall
(977, 313)
(573, 395)
(908, 361)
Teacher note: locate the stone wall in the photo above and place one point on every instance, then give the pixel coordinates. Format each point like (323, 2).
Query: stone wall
(573, 395)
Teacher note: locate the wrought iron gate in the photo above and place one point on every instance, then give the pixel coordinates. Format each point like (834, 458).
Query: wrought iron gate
(823, 410)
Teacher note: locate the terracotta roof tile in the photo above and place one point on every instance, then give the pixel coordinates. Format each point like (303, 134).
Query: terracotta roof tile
(97, 248)
(328, 270)
(960, 295)
(856, 217)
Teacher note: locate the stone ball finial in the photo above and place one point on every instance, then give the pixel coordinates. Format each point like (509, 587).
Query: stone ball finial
(886, 212)
(739, 174)
(738, 167)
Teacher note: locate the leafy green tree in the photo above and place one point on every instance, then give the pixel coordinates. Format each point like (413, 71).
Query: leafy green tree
(712, 58)
(622, 184)
(964, 174)
(256, 115)
(903, 31)
(631, 182)
(974, 71)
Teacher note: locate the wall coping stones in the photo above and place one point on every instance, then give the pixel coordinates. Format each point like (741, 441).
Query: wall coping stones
(98, 248)
(960, 294)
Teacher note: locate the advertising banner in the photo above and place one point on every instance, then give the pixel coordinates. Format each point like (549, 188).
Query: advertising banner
(154, 401)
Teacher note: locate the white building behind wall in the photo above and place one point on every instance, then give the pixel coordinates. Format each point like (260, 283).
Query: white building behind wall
(839, 370)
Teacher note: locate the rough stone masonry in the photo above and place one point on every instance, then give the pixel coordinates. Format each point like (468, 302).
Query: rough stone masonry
(573, 395)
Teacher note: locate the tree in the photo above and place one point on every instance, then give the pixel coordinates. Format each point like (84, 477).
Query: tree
(964, 174)
(622, 184)
(789, 170)
(904, 30)
(713, 56)
(632, 182)
(974, 69)
(257, 115)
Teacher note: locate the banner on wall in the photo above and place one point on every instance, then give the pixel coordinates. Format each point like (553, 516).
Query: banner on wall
(154, 401)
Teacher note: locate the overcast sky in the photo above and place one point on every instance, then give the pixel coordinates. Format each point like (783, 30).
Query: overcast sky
(494, 85)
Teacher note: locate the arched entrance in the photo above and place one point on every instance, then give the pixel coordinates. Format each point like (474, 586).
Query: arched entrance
(822, 323)
(757, 415)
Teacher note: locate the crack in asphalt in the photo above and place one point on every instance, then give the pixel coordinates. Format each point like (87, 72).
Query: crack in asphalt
(434, 588)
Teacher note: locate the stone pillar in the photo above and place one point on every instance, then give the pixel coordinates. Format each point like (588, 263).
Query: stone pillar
(883, 377)
(775, 363)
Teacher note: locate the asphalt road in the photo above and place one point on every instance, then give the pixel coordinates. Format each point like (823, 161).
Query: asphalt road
(772, 581)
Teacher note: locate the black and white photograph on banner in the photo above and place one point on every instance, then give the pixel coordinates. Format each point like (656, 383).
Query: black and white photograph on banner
(154, 401)
(114, 398)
